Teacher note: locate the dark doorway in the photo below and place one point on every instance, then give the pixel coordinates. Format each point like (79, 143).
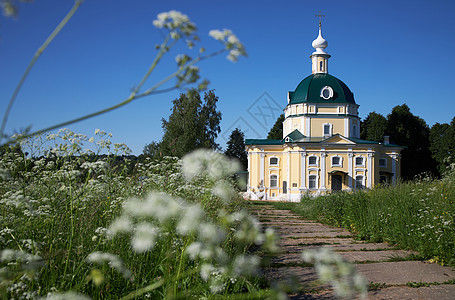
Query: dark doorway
(336, 183)
(285, 187)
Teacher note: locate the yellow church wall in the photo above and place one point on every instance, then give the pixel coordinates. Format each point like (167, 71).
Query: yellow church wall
(327, 110)
(317, 126)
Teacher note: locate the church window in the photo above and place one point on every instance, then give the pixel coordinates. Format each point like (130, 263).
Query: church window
(312, 182)
(273, 181)
(320, 65)
(313, 161)
(359, 161)
(383, 162)
(359, 182)
(336, 161)
(354, 130)
(274, 161)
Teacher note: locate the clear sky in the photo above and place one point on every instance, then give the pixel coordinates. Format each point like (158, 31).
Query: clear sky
(387, 52)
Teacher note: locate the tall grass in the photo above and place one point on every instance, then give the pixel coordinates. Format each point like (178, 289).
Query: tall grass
(70, 221)
(416, 215)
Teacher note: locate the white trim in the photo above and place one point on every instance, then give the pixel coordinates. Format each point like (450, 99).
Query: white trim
(323, 156)
(262, 167)
(370, 167)
(302, 170)
(350, 168)
(346, 127)
(308, 127)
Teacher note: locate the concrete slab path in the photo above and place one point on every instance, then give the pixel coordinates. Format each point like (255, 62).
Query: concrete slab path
(390, 271)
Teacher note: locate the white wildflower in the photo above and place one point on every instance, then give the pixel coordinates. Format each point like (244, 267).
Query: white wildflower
(112, 260)
(122, 224)
(246, 265)
(144, 238)
(191, 218)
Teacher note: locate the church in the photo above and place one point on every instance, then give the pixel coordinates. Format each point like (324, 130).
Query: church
(321, 150)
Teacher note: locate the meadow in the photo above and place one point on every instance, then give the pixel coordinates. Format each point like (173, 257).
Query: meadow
(78, 224)
(416, 215)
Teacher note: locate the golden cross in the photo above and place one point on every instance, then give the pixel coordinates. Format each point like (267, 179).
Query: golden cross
(320, 17)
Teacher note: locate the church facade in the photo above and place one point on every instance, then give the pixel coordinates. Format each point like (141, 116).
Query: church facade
(321, 150)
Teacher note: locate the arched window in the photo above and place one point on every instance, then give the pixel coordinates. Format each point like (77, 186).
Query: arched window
(312, 182)
(273, 180)
(320, 65)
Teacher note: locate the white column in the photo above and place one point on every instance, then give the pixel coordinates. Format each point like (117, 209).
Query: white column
(288, 174)
(346, 127)
(261, 171)
(350, 168)
(248, 170)
(302, 170)
(308, 127)
(370, 170)
(323, 155)
(394, 167)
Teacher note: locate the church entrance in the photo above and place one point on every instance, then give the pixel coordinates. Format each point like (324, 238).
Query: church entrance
(337, 183)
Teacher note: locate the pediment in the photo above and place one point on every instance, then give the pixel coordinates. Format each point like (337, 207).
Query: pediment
(338, 139)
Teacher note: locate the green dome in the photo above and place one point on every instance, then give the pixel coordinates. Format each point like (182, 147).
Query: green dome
(310, 89)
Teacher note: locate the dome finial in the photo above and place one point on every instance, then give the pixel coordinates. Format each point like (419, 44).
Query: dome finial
(320, 43)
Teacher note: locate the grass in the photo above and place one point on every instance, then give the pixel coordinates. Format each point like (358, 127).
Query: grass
(418, 215)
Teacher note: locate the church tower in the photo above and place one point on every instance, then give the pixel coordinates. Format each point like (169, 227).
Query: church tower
(319, 58)
(321, 105)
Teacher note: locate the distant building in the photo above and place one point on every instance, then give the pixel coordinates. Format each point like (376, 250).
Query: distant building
(321, 149)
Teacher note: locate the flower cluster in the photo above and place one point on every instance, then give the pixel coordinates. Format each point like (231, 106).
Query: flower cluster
(231, 42)
(333, 269)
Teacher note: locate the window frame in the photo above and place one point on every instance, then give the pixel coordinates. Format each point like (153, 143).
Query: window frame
(315, 164)
(363, 161)
(330, 127)
(310, 177)
(340, 164)
(361, 180)
(276, 183)
(385, 162)
(277, 161)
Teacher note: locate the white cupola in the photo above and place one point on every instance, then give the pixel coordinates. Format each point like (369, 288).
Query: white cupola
(319, 58)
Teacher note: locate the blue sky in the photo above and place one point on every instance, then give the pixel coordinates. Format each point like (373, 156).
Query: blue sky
(387, 52)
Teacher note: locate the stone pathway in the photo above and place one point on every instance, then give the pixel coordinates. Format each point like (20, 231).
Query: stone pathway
(386, 268)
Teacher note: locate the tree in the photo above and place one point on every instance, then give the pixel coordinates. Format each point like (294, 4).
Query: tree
(191, 125)
(413, 132)
(152, 150)
(373, 128)
(236, 147)
(442, 144)
(276, 133)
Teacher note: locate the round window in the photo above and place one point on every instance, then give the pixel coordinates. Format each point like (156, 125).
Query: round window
(326, 92)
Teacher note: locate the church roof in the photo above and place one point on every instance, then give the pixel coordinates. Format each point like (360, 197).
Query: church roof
(310, 89)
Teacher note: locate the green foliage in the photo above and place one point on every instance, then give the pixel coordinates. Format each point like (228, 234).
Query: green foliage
(373, 128)
(413, 132)
(152, 150)
(418, 215)
(442, 144)
(192, 124)
(236, 147)
(276, 132)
